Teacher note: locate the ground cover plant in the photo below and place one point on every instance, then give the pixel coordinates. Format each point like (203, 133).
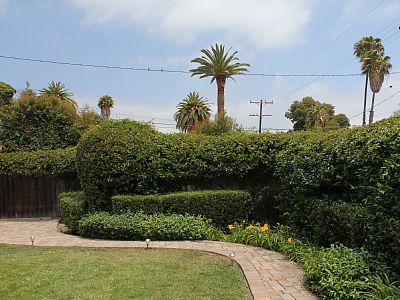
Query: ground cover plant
(335, 272)
(139, 226)
(80, 273)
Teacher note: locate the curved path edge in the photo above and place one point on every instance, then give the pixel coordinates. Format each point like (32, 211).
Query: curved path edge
(269, 274)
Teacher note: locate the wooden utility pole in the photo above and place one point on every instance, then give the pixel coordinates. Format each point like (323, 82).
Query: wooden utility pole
(260, 115)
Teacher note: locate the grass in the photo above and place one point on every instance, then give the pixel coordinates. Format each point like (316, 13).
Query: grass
(82, 273)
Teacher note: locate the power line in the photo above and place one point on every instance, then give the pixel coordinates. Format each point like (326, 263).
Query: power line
(167, 70)
(383, 101)
(340, 35)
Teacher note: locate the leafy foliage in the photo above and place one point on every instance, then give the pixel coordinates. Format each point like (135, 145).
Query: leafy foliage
(219, 66)
(222, 207)
(39, 163)
(105, 104)
(192, 110)
(309, 114)
(6, 93)
(58, 89)
(222, 124)
(140, 226)
(34, 123)
(72, 209)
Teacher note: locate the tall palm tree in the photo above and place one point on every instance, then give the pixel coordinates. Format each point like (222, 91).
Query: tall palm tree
(361, 49)
(191, 111)
(58, 89)
(218, 65)
(377, 66)
(105, 104)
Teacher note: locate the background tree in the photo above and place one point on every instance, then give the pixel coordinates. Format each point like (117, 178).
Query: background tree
(191, 111)
(105, 104)
(361, 50)
(378, 66)
(27, 91)
(221, 124)
(58, 89)
(6, 93)
(87, 118)
(309, 114)
(43, 122)
(219, 66)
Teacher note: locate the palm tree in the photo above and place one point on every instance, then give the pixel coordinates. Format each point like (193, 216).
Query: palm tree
(377, 66)
(191, 111)
(105, 104)
(58, 89)
(361, 49)
(218, 65)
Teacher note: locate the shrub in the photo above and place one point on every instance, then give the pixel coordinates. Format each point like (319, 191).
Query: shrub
(125, 157)
(140, 226)
(336, 272)
(222, 207)
(116, 157)
(34, 123)
(39, 163)
(71, 209)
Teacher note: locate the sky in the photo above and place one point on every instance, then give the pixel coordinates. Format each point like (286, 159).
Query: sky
(274, 36)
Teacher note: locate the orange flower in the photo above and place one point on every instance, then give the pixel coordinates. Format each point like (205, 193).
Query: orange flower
(290, 240)
(265, 227)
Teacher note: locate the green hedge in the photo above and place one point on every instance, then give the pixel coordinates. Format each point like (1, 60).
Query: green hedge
(140, 226)
(222, 207)
(125, 157)
(39, 163)
(344, 187)
(72, 209)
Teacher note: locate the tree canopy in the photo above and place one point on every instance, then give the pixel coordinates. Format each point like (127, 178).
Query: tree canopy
(310, 114)
(219, 66)
(6, 93)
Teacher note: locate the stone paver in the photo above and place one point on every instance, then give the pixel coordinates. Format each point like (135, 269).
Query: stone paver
(269, 274)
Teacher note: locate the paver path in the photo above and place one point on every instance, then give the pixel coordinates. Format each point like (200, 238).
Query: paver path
(269, 274)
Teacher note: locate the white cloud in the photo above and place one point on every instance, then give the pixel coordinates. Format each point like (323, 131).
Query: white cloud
(267, 24)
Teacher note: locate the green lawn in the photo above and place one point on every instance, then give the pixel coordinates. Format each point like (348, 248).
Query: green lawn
(80, 273)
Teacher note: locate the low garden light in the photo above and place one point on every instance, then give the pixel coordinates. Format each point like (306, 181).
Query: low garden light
(32, 237)
(147, 243)
(232, 257)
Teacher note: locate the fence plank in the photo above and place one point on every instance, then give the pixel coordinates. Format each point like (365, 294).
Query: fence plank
(30, 197)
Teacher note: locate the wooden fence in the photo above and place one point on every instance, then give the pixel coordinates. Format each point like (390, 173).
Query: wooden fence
(30, 197)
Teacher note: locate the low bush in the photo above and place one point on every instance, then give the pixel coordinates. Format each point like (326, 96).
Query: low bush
(334, 273)
(72, 209)
(140, 226)
(222, 207)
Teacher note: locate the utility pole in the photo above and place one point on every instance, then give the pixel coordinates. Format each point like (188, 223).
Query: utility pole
(260, 115)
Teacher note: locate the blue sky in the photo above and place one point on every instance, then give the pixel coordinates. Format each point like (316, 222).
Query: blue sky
(273, 36)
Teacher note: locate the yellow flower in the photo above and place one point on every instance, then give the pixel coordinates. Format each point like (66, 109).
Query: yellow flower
(265, 227)
(250, 227)
(230, 226)
(290, 240)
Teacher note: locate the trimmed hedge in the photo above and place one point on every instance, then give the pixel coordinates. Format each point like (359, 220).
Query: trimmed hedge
(125, 157)
(72, 209)
(39, 163)
(222, 207)
(140, 226)
(345, 188)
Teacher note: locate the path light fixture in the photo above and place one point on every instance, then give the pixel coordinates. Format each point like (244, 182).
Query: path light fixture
(147, 243)
(232, 257)
(32, 239)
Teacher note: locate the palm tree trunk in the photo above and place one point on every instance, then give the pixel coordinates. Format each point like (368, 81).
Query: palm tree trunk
(365, 101)
(221, 96)
(371, 112)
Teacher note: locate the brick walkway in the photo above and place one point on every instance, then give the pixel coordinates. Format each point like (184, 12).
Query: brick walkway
(268, 273)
